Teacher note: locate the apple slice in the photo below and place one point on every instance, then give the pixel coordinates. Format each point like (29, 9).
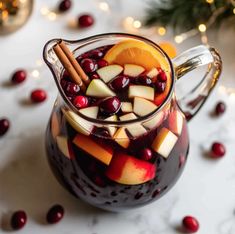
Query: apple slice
(97, 88)
(65, 146)
(155, 121)
(125, 169)
(102, 152)
(141, 91)
(133, 70)
(78, 123)
(175, 122)
(164, 142)
(55, 125)
(126, 107)
(143, 107)
(126, 117)
(107, 73)
(152, 73)
(112, 130)
(121, 137)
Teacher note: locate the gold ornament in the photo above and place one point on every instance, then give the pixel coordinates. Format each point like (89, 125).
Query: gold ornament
(14, 14)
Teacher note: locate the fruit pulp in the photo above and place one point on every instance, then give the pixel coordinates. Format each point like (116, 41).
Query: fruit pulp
(106, 166)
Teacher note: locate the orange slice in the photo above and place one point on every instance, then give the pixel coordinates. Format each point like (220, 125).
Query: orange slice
(136, 52)
(168, 48)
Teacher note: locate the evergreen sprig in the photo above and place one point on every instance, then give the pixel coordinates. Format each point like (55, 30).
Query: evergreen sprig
(184, 15)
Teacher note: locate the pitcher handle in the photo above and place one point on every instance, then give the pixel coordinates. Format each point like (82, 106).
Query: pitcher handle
(189, 60)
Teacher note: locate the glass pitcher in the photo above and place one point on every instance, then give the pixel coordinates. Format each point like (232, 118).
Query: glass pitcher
(106, 171)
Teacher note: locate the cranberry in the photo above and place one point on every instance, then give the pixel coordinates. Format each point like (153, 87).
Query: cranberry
(38, 95)
(101, 132)
(120, 83)
(102, 63)
(4, 126)
(99, 181)
(144, 80)
(96, 54)
(94, 76)
(19, 76)
(146, 154)
(160, 86)
(72, 88)
(190, 224)
(220, 108)
(18, 220)
(80, 101)
(88, 65)
(85, 21)
(110, 105)
(162, 76)
(82, 56)
(65, 5)
(218, 150)
(63, 83)
(55, 214)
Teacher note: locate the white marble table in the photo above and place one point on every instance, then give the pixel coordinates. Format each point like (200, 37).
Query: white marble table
(205, 190)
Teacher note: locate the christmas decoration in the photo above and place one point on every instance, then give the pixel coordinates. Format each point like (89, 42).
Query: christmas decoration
(14, 14)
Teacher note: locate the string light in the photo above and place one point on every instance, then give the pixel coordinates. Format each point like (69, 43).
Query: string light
(161, 31)
(234, 11)
(35, 73)
(132, 25)
(179, 39)
(202, 27)
(104, 6)
(210, 1)
(137, 24)
(44, 10)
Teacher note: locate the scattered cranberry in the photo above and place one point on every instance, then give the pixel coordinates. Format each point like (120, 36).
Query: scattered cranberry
(218, 150)
(144, 80)
(18, 220)
(146, 154)
(80, 101)
(160, 86)
(72, 88)
(120, 83)
(190, 224)
(19, 76)
(220, 108)
(4, 126)
(94, 76)
(65, 5)
(102, 63)
(38, 95)
(96, 54)
(162, 76)
(88, 65)
(110, 105)
(85, 21)
(55, 214)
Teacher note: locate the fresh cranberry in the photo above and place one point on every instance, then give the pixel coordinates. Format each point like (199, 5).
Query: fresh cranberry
(146, 154)
(162, 76)
(190, 224)
(110, 105)
(94, 76)
(65, 5)
(55, 214)
(88, 65)
(144, 80)
(220, 108)
(63, 83)
(102, 63)
(80, 101)
(38, 95)
(4, 126)
(72, 88)
(96, 54)
(18, 220)
(19, 76)
(85, 21)
(218, 150)
(160, 86)
(82, 56)
(120, 83)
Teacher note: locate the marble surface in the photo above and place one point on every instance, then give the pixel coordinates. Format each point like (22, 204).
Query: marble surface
(206, 189)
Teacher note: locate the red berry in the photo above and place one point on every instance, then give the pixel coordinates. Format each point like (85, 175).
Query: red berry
(218, 150)
(102, 63)
(190, 224)
(220, 108)
(146, 154)
(94, 76)
(65, 5)
(19, 76)
(80, 101)
(160, 86)
(110, 105)
(55, 214)
(144, 80)
(4, 126)
(71, 88)
(18, 220)
(38, 95)
(85, 21)
(88, 65)
(120, 83)
(162, 76)
(96, 54)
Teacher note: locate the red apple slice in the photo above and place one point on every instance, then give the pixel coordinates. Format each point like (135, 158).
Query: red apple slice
(143, 107)
(164, 142)
(126, 107)
(107, 73)
(65, 146)
(55, 125)
(133, 70)
(175, 122)
(141, 91)
(103, 153)
(121, 137)
(155, 121)
(129, 170)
